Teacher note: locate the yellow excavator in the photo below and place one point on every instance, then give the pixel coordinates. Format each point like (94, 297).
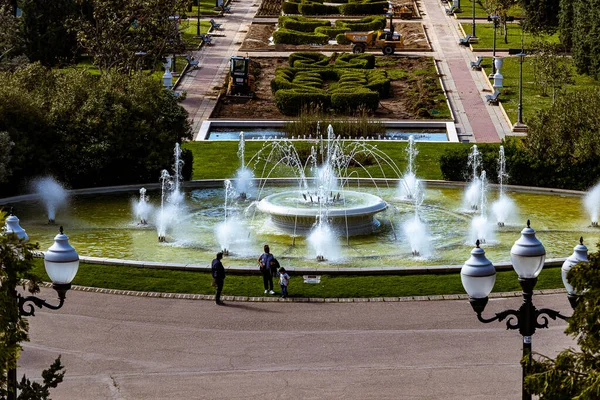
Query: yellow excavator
(241, 80)
(385, 39)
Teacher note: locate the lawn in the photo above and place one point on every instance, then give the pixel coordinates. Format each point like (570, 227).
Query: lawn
(532, 98)
(190, 32)
(485, 33)
(480, 12)
(168, 281)
(213, 159)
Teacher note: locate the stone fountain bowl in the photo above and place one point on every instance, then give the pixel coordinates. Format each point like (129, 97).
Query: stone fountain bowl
(353, 214)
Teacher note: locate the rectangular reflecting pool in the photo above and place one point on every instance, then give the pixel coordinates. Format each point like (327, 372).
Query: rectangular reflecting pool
(227, 133)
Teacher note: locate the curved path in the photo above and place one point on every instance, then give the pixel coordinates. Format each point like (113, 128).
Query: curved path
(122, 347)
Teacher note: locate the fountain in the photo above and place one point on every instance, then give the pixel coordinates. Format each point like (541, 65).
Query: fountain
(409, 182)
(504, 207)
(591, 202)
(171, 197)
(232, 232)
(326, 201)
(244, 176)
(142, 209)
(481, 229)
(53, 195)
(473, 190)
(415, 230)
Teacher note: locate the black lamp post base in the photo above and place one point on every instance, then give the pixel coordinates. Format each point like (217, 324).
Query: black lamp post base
(520, 127)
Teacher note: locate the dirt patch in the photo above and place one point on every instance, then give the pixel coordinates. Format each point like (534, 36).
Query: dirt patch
(259, 34)
(411, 93)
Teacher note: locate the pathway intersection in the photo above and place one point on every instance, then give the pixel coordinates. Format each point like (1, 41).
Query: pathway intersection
(475, 120)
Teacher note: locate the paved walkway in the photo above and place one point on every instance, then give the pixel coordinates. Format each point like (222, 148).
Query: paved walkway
(122, 347)
(475, 120)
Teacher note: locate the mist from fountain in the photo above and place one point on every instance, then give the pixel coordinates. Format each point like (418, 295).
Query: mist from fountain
(472, 198)
(323, 242)
(481, 229)
(591, 202)
(232, 233)
(415, 230)
(141, 208)
(504, 208)
(409, 182)
(52, 194)
(243, 183)
(164, 216)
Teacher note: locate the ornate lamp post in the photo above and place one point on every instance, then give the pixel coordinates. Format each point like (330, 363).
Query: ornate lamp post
(494, 18)
(478, 276)
(520, 126)
(61, 262)
(473, 35)
(12, 226)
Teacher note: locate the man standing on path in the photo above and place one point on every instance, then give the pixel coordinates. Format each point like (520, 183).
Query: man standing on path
(266, 261)
(218, 273)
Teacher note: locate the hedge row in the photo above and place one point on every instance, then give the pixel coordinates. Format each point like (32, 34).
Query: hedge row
(371, 23)
(306, 7)
(330, 32)
(286, 36)
(302, 24)
(319, 60)
(366, 8)
(316, 7)
(293, 101)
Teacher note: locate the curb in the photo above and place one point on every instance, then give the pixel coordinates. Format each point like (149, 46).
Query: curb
(259, 299)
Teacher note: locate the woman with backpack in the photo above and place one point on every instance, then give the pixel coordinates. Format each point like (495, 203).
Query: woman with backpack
(268, 264)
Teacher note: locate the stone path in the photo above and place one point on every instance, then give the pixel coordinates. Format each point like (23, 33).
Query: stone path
(475, 120)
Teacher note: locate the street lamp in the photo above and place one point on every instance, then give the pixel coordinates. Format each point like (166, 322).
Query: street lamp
(473, 35)
(494, 18)
(61, 262)
(520, 126)
(580, 254)
(527, 255)
(198, 26)
(12, 226)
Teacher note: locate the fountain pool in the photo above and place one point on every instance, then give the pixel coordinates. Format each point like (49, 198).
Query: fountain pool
(103, 225)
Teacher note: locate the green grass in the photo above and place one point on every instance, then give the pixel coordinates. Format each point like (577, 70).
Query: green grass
(485, 33)
(212, 159)
(207, 7)
(168, 281)
(480, 12)
(533, 101)
(190, 31)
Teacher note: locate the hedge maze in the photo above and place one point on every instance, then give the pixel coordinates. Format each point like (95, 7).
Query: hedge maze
(344, 84)
(299, 30)
(347, 7)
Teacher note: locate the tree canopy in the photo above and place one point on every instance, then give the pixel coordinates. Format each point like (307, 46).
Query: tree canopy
(574, 374)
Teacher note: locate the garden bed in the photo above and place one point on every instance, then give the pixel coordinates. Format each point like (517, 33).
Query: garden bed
(259, 34)
(414, 82)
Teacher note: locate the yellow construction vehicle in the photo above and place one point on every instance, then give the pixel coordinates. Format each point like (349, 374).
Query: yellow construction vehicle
(241, 80)
(385, 39)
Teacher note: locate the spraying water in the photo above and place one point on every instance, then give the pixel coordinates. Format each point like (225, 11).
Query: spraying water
(53, 195)
(504, 209)
(323, 241)
(481, 229)
(415, 230)
(408, 184)
(163, 218)
(591, 202)
(472, 200)
(142, 208)
(244, 176)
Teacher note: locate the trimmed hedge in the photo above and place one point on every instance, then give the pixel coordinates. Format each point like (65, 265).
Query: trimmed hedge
(312, 8)
(364, 8)
(293, 101)
(342, 39)
(307, 59)
(349, 60)
(329, 31)
(286, 36)
(289, 7)
(371, 23)
(302, 24)
(352, 100)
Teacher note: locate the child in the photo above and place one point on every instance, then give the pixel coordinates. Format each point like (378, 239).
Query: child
(284, 279)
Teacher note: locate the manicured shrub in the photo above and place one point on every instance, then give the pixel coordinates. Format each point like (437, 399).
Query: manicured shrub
(371, 23)
(302, 24)
(346, 60)
(342, 39)
(349, 101)
(289, 7)
(286, 36)
(364, 8)
(307, 58)
(312, 8)
(292, 101)
(329, 31)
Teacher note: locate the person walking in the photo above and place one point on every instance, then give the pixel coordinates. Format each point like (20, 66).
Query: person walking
(284, 280)
(266, 261)
(218, 273)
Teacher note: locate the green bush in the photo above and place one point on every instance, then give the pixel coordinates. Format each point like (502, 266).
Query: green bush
(365, 61)
(312, 8)
(342, 39)
(371, 23)
(379, 82)
(289, 7)
(302, 24)
(286, 36)
(292, 101)
(350, 101)
(329, 31)
(364, 8)
(307, 59)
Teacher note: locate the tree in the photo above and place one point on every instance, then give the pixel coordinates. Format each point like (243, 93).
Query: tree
(118, 33)
(574, 374)
(47, 33)
(580, 28)
(500, 8)
(6, 145)
(565, 23)
(541, 16)
(552, 67)
(12, 45)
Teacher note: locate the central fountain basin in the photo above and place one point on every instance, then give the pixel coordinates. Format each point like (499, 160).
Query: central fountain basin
(349, 213)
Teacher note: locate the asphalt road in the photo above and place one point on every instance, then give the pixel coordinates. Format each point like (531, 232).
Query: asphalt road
(122, 347)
